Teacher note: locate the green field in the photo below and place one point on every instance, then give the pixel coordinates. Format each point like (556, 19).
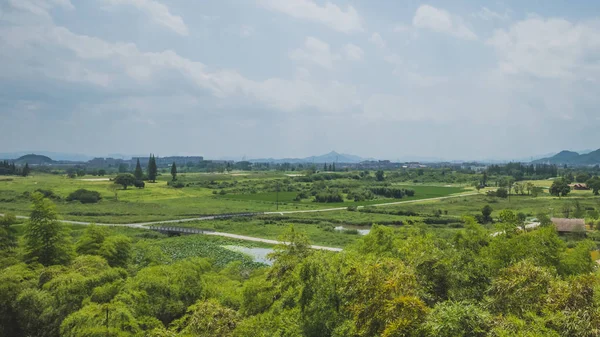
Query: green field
(158, 201)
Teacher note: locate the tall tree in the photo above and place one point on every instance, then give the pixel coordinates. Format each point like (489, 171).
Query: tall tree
(560, 188)
(8, 239)
(47, 241)
(152, 169)
(139, 174)
(26, 170)
(174, 171)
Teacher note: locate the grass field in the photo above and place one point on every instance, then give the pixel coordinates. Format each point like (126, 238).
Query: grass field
(161, 202)
(201, 196)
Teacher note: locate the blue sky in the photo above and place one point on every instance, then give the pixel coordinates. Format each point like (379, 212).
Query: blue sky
(293, 78)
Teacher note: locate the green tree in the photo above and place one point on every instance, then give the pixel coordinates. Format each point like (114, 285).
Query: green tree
(91, 241)
(138, 173)
(207, 319)
(451, 319)
(26, 170)
(152, 168)
(35, 312)
(594, 185)
(91, 321)
(125, 180)
(174, 171)
(560, 188)
(116, 249)
(582, 177)
(519, 289)
(379, 175)
(47, 241)
(8, 238)
(486, 212)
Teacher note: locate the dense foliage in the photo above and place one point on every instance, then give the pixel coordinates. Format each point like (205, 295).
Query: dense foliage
(392, 282)
(84, 196)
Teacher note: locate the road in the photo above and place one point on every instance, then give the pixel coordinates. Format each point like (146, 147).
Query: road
(374, 205)
(142, 225)
(228, 235)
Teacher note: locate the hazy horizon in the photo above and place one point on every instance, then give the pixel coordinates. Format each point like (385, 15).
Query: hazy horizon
(298, 78)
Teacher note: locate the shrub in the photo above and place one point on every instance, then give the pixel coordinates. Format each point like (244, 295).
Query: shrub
(84, 196)
(328, 197)
(176, 184)
(48, 193)
(139, 184)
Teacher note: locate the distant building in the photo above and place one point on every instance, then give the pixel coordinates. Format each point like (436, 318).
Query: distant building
(580, 187)
(564, 225)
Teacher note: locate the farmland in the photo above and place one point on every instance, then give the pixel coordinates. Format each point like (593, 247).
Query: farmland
(425, 229)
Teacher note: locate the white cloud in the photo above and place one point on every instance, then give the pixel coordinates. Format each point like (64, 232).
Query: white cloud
(40, 7)
(120, 67)
(441, 21)
(487, 14)
(377, 40)
(315, 51)
(329, 14)
(549, 48)
(158, 13)
(353, 52)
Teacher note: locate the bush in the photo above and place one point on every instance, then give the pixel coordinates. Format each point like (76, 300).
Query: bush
(502, 193)
(328, 197)
(84, 196)
(48, 193)
(176, 184)
(139, 184)
(351, 208)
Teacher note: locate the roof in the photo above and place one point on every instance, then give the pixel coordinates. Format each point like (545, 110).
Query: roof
(569, 225)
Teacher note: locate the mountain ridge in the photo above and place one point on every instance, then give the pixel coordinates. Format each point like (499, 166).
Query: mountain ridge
(573, 158)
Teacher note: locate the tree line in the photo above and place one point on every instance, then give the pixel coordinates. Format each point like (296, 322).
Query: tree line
(10, 169)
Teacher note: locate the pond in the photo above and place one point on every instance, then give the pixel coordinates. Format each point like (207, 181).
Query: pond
(361, 229)
(257, 254)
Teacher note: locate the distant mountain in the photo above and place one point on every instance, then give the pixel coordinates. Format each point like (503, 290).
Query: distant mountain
(573, 158)
(33, 159)
(330, 157)
(53, 155)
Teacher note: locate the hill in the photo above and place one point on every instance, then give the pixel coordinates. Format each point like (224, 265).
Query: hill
(33, 159)
(573, 158)
(330, 157)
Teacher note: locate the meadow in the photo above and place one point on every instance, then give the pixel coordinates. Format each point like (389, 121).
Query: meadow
(158, 201)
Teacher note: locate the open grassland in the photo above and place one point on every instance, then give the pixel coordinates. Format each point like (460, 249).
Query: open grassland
(521, 203)
(158, 201)
(421, 192)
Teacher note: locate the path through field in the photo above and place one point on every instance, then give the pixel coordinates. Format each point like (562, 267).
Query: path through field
(143, 225)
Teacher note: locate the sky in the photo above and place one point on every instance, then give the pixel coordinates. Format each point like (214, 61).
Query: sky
(388, 79)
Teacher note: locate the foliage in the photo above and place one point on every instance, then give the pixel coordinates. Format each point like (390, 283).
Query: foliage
(8, 238)
(84, 196)
(152, 168)
(47, 240)
(174, 171)
(138, 173)
(125, 180)
(560, 188)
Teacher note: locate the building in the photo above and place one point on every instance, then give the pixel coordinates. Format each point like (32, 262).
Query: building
(564, 225)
